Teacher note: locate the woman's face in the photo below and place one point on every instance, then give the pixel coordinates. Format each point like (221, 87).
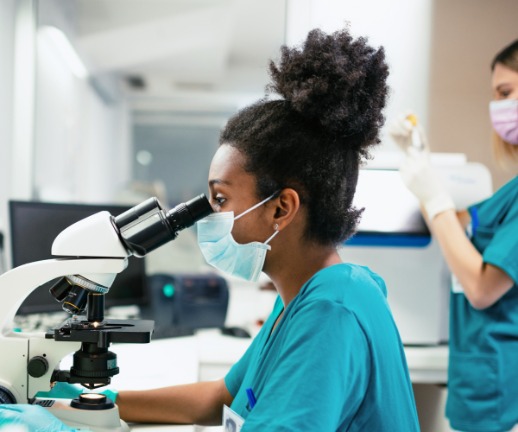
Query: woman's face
(233, 189)
(505, 83)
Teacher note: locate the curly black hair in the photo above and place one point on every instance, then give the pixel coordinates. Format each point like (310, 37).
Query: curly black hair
(333, 91)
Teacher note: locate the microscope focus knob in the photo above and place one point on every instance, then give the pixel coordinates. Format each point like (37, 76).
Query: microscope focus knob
(6, 397)
(38, 366)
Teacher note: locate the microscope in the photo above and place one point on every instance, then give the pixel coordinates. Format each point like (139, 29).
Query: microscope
(90, 254)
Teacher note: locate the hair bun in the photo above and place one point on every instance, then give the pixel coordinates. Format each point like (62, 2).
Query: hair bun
(336, 80)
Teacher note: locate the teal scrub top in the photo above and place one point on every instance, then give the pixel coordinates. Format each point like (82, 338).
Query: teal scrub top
(483, 367)
(335, 361)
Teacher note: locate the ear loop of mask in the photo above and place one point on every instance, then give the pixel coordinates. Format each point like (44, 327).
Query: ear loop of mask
(254, 207)
(274, 234)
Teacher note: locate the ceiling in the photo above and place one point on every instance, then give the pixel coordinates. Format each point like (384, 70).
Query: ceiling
(218, 49)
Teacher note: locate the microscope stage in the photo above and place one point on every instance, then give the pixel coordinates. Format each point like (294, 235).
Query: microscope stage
(104, 333)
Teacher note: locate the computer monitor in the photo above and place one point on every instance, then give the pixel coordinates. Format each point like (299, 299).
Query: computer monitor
(35, 225)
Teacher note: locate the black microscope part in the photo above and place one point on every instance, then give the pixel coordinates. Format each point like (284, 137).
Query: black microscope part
(75, 301)
(37, 366)
(6, 397)
(95, 310)
(94, 362)
(147, 226)
(149, 206)
(92, 401)
(61, 289)
(45, 403)
(187, 214)
(92, 367)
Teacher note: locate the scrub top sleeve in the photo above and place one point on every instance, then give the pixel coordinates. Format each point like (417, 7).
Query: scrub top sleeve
(502, 250)
(321, 377)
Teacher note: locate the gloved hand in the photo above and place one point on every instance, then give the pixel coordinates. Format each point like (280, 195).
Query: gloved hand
(62, 390)
(401, 129)
(69, 391)
(419, 176)
(33, 418)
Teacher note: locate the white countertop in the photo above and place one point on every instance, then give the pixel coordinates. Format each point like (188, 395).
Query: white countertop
(427, 365)
(161, 363)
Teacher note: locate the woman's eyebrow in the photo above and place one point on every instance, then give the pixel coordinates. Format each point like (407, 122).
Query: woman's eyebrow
(218, 181)
(499, 87)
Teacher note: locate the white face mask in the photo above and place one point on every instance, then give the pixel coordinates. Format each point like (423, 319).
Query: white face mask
(221, 250)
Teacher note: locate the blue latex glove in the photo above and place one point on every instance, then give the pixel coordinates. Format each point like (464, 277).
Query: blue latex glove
(69, 391)
(33, 417)
(62, 390)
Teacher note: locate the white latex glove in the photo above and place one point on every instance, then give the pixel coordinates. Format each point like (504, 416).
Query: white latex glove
(401, 130)
(419, 176)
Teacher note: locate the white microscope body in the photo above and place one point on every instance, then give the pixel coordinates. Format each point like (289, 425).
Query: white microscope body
(95, 250)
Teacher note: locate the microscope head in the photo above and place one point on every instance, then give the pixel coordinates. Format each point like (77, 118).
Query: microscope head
(137, 232)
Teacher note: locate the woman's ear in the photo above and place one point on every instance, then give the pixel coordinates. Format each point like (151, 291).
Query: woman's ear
(288, 204)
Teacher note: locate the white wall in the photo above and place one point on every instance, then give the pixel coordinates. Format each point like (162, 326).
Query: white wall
(6, 104)
(82, 144)
(402, 27)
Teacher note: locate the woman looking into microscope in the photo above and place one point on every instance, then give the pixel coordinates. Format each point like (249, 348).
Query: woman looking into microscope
(282, 182)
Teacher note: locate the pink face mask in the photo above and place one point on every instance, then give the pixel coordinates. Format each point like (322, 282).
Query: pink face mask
(504, 117)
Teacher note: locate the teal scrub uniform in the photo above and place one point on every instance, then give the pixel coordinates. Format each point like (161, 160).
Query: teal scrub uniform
(483, 367)
(335, 361)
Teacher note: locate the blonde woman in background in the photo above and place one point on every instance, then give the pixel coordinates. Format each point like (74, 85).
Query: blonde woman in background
(483, 372)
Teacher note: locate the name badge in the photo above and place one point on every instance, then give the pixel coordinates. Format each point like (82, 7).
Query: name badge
(232, 422)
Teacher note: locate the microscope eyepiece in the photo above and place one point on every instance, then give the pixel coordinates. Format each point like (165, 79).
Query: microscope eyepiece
(147, 226)
(199, 207)
(187, 214)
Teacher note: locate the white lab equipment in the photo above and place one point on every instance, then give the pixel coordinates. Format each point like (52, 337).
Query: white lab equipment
(91, 252)
(393, 241)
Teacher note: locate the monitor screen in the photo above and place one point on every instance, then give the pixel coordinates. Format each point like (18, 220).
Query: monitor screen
(35, 225)
(390, 208)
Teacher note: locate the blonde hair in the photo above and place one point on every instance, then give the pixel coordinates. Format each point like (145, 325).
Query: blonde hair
(502, 149)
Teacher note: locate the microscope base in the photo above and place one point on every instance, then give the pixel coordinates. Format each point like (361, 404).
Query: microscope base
(95, 421)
